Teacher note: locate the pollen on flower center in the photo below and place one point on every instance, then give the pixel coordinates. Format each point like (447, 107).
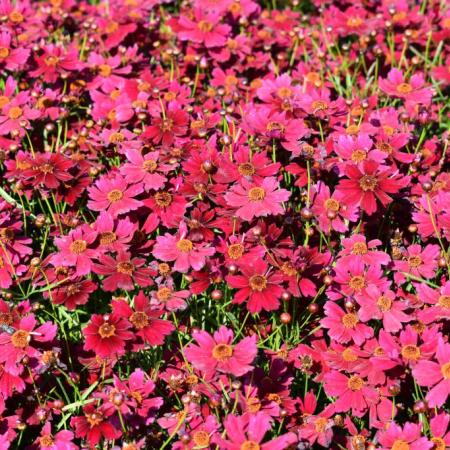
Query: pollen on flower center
(385, 147)
(354, 22)
(4, 52)
(20, 339)
(359, 156)
(201, 438)
(274, 398)
(384, 303)
(284, 92)
(107, 330)
(359, 248)
(15, 112)
(94, 419)
(411, 352)
(149, 165)
(250, 445)
(51, 60)
(444, 301)
(275, 126)
(439, 443)
(6, 318)
(46, 441)
(104, 70)
(107, 237)
(246, 169)
(332, 205)
(163, 199)
(357, 283)
(205, 26)
(115, 195)
(117, 137)
(235, 251)
(46, 168)
(78, 246)
(319, 105)
(256, 194)
(185, 245)
(400, 444)
(350, 320)
(445, 369)
(368, 183)
(253, 404)
(349, 356)
(404, 88)
(164, 294)
(355, 383)
(139, 319)
(222, 352)
(320, 424)
(414, 261)
(125, 267)
(258, 282)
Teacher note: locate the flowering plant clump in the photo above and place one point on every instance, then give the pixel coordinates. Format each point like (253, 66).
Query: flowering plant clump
(224, 224)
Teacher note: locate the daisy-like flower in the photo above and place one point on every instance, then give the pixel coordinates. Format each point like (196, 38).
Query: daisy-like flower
(370, 182)
(435, 375)
(106, 335)
(113, 235)
(123, 272)
(145, 319)
(419, 261)
(49, 169)
(439, 431)
(204, 29)
(261, 289)
(23, 341)
(59, 441)
(398, 438)
(94, 425)
(216, 353)
(357, 248)
(257, 200)
(11, 59)
(75, 250)
(247, 433)
(144, 168)
(439, 301)
(381, 305)
(186, 253)
(114, 195)
(353, 392)
(412, 91)
(344, 326)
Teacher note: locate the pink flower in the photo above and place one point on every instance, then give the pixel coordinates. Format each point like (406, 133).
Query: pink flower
(414, 91)
(204, 29)
(439, 301)
(356, 248)
(418, 261)
(344, 327)
(435, 375)
(114, 195)
(23, 341)
(75, 251)
(144, 168)
(377, 304)
(370, 182)
(395, 438)
(353, 393)
(184, 252)
(59, 441)
(439, 431)
(123, 272)
(217, 353)
(258, 286)
(114, 235)
(13, 59)
(246, 432)
(257, 200)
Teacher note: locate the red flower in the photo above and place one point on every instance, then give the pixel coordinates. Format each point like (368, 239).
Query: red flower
(123, 272)
(106, 335)
(144, 319)
(258, 286)
(370, 182)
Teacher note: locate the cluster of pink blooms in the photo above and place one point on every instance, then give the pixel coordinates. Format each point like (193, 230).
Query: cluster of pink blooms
(224, 224)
